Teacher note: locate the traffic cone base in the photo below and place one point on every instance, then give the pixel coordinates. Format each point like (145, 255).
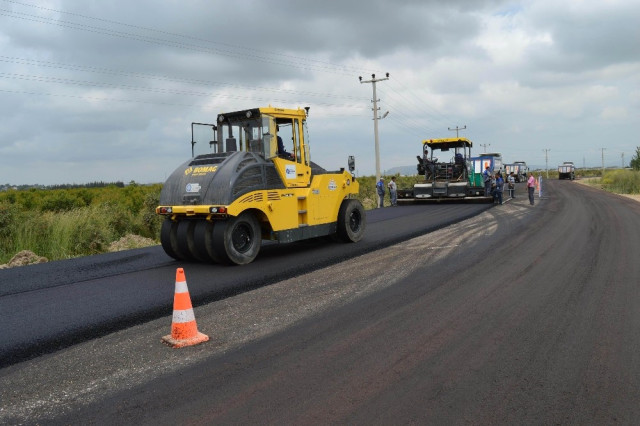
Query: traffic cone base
(181, 343)
(184, 330)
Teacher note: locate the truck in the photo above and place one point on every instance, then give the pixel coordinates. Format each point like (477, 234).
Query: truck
(567, 171)
(453, 178)
(255, 182)
(519, 169)
(491, 159)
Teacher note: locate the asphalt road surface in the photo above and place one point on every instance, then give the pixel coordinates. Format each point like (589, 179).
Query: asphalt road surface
(50, 306)
(520, 315)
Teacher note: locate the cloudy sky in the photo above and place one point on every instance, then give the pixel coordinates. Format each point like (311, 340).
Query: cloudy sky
(106, 91)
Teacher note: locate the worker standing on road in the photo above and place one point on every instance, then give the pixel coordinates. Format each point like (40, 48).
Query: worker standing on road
(512, 185)
(499, 187)
(381, 190)
(486, 176)
(393, 191)
(531, 187)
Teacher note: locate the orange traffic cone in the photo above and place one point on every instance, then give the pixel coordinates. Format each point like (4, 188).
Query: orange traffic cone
(184, 330)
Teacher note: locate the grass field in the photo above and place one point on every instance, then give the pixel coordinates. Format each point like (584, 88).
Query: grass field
(65, 223)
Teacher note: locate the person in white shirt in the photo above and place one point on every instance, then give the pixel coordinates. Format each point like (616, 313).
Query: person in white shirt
(393, 191)
(512, 185)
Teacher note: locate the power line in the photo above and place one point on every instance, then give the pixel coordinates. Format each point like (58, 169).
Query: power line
(68, 81)
(273, 57)
(211, 47)
(156, 102)
(422, 105)
(111, 32)
(401, 124)
(139, 27)
(417, 117)
(205, 46)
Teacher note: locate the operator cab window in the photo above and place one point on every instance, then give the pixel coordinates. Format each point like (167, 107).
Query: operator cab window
(254, 138)
(287, 134)
(269, 141)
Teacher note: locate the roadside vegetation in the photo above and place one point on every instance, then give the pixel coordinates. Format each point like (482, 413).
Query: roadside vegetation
(69, 222)
(368, 195)
(619, 181)
(65, 223)
(625, 181)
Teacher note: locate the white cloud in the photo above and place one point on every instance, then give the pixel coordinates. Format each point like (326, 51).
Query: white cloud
(507, 41)
(614, 113)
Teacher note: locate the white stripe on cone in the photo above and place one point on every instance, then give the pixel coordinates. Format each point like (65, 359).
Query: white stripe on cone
(180, 317)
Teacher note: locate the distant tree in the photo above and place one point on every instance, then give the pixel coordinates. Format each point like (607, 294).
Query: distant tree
(635, 161)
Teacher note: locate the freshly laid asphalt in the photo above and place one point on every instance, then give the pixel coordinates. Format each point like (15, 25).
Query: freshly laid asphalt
(49, 306)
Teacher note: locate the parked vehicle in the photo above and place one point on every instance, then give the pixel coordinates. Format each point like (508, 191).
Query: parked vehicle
(567, 171)
(519, 169)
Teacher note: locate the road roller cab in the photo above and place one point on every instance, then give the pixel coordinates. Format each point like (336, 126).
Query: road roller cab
(255, 181)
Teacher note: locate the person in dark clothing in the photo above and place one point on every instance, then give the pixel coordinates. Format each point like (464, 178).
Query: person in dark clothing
(380, 190)
(497, 197)
(486, 177)
(531, 187)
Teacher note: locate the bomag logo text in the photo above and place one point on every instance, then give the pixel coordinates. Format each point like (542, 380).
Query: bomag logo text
(200, 171)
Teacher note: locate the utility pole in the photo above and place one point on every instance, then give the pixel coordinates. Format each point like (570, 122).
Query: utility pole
(484, 146)
(458, 128)
(622, 160)
(373, 81)
(546, 160)
(603, 161)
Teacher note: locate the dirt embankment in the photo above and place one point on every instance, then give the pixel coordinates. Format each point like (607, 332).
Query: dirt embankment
(128, 242)
(25, 257)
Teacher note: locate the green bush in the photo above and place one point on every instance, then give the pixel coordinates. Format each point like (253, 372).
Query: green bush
(64, 223)
(33, 233)
(9, 221)
(85, 195)
(369, 196)
(622, 181)
(151, 222)
(8, 218)
(87, 231)
(60, 201)
(116, 217)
